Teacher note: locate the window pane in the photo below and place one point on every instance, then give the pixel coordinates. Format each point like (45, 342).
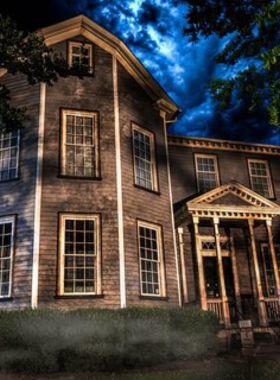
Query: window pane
(5, 258)
(9, 151)
(143, 161)
(260, 178)
(80, 146)
(149, 261)
(79, 256)
(80, 56)
(207, 176)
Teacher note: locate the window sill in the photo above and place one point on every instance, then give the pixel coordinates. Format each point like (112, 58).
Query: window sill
(9, 180)
(80, 178)
(74, 296)
(80, 73)
(6, 299)
(149, 191)
(154, 298)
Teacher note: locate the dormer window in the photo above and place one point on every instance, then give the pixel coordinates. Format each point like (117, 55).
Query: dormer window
(80, 57)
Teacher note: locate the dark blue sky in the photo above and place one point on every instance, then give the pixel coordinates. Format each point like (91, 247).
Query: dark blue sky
(152, 29)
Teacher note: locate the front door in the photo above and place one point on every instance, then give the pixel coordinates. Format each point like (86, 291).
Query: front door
(207, 246)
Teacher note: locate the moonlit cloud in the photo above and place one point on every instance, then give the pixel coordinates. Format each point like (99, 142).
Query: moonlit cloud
(152, 29)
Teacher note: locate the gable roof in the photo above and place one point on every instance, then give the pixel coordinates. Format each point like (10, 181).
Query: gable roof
(82, 25)
(248, 204)
(248, 196)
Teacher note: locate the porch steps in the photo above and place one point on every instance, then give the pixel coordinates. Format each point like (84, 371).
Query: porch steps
(266, 343)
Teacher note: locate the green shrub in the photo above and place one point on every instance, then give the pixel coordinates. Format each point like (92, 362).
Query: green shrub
(102, 340)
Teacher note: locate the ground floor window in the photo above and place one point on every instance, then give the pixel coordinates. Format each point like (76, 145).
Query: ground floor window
(6, 255)
(269, 277)
(152, 279)
(79, 255)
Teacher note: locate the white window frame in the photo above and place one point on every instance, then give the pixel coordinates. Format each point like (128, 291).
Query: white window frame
(98, 280)
(160, 262)
(79, 45)
(266, 245)
(5, 220)
(153, 165)
(268, 176)
(217, 175)
(96, 164)
(2, 150)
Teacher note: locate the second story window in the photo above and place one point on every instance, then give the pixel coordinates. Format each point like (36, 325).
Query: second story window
(260, 178)
(80, 57)
(9, 155)
(79, 148)
(206, 172)
(144, 158)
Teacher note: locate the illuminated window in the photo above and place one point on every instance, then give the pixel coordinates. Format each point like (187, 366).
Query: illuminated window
(9, 155)
(144, 158)
(151, 260)
(6, 255)
(80, 256)
(206, 172)
(80, 57)
(260, 178)
(79, 144)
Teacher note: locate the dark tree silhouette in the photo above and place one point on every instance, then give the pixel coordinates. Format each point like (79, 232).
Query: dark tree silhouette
(28, 55)
(252, 28)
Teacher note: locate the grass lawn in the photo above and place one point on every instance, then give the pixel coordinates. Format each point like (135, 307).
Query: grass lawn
(216, 368)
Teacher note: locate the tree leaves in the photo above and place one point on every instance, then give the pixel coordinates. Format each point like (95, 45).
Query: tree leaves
(252, 28)
(27, 55)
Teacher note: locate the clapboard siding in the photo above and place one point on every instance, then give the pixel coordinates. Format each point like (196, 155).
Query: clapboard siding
(17, 196)
(137, 107)
(77, 195)
(233, 165)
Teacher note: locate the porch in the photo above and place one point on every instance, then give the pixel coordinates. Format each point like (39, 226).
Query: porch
(218, 265)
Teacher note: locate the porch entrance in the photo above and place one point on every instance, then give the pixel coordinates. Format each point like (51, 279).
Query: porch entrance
(207, 248)
(234, 203)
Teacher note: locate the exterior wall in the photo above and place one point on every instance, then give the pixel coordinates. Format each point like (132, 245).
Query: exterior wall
(17, 196)
(233, 165)
(80, 195)
(138, 203)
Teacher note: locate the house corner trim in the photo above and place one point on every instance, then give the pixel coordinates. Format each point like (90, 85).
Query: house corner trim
(163, 116)
(38, 198)
(119, 184)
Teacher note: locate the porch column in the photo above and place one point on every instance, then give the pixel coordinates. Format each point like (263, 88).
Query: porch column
(261, 303)
(235, 275)
(183, 264)
(273, 256)
(201, 280)
(221, 273)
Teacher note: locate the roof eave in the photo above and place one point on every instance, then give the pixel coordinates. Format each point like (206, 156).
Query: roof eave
(115, 46)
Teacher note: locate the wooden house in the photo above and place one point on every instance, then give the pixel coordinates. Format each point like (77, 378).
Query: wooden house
(101, 208)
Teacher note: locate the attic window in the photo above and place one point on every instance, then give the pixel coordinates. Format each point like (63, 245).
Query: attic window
(80, 57)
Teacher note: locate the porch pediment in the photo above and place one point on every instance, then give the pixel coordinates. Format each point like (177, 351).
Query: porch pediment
(233, 201)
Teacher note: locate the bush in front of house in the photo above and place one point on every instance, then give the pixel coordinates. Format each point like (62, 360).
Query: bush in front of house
(102, 340)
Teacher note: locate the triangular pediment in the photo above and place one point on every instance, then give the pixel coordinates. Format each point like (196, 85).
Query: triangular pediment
(233, 194)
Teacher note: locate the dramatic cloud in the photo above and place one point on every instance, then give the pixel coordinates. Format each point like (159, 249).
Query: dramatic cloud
(152, 29)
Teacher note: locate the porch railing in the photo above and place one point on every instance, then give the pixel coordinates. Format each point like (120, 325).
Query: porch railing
(215, 305)
(272, 309)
